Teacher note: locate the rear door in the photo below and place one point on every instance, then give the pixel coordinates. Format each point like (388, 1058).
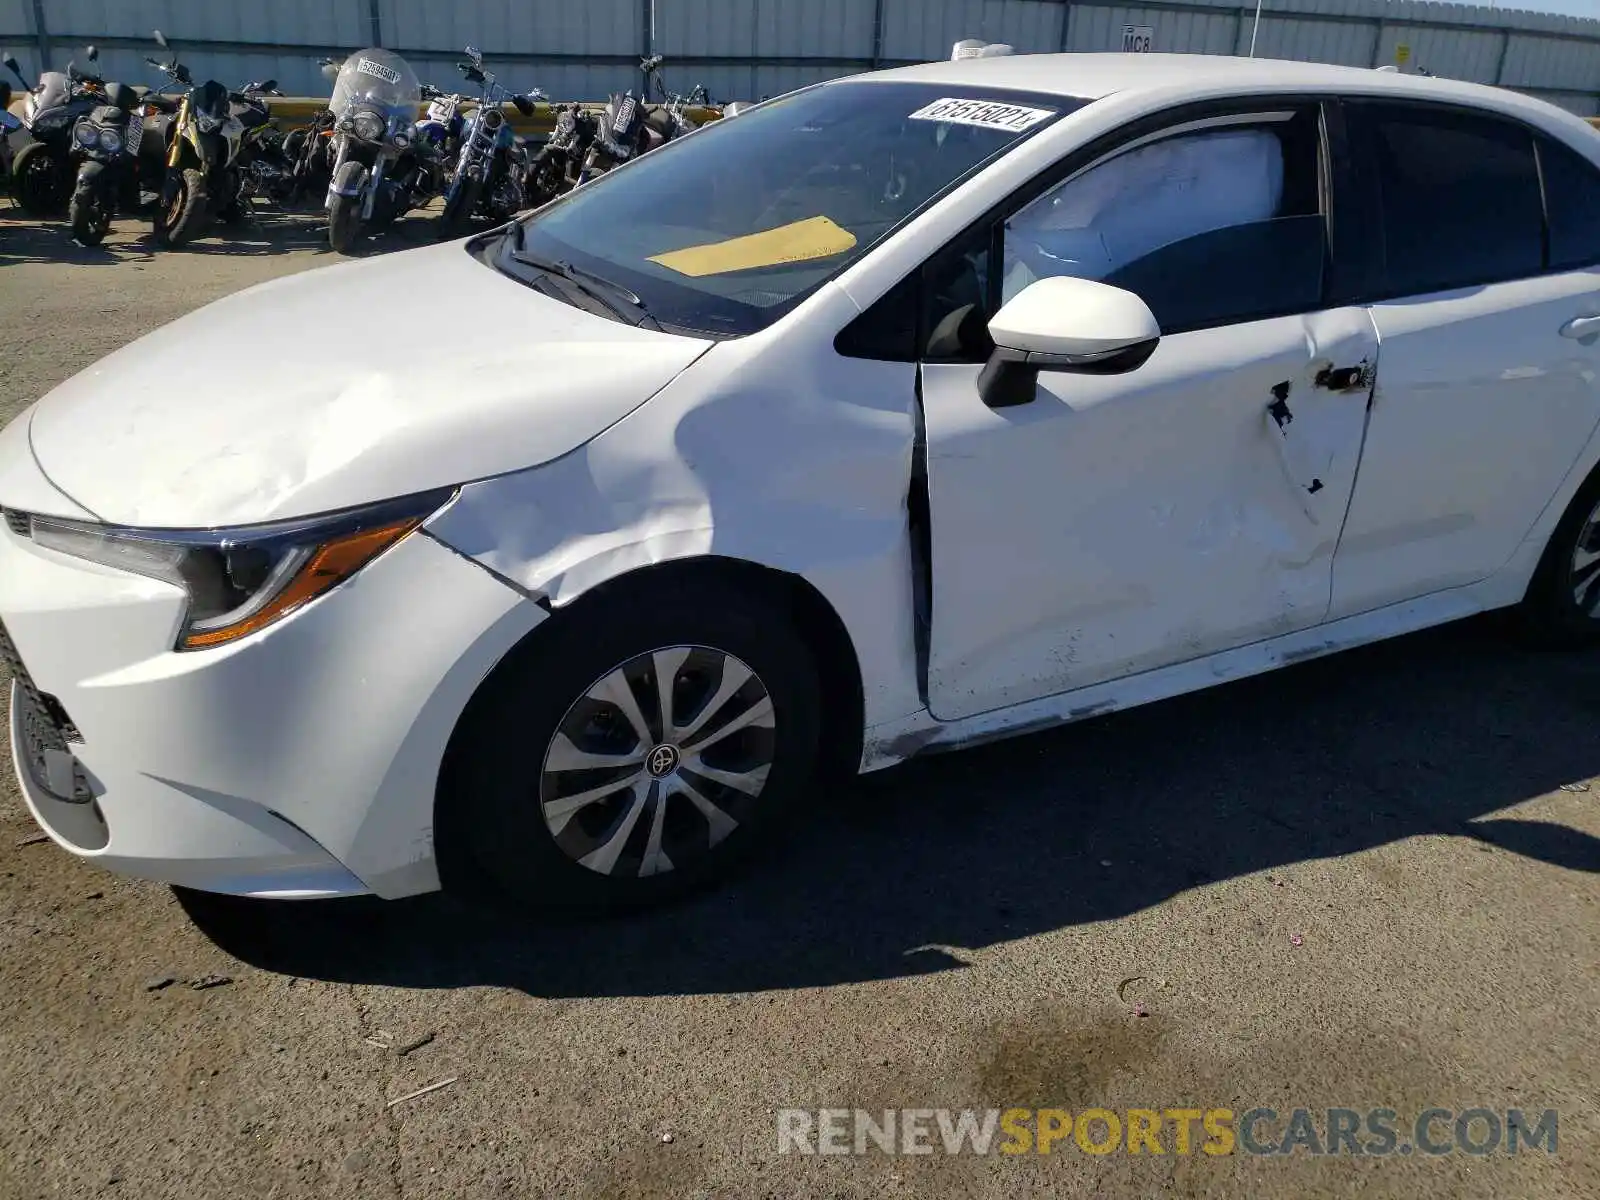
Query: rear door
(1489, 381)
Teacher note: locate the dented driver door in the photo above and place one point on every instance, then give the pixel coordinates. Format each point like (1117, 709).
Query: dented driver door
(1121, 523)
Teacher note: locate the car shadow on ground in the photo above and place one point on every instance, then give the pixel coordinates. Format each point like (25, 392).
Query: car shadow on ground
(900, 872)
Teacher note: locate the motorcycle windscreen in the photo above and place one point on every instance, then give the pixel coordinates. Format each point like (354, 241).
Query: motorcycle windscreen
(376, 79)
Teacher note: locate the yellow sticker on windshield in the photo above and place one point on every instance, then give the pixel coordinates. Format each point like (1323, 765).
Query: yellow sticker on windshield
(815, 237)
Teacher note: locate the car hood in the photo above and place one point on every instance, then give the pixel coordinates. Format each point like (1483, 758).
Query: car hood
(340, 386)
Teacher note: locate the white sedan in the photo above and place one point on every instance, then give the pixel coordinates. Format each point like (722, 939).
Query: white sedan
(905, 411)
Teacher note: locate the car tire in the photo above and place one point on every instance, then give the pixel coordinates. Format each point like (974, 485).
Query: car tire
(1562, 604)
(508, 829)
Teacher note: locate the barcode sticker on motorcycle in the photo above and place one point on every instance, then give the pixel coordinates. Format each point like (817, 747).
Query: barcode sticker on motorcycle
(1012, 118)
(367, 67)
(624, 116)
(135, 132)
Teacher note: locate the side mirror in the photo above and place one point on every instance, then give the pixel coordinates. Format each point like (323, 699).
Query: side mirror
(1064, 324)
(183, 75)
(330, 70)
(161, 40)
(92, 52)
(12, 65)
(268, 85)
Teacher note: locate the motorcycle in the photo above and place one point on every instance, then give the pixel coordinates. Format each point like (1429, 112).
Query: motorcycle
(202, 142)
(493, 161)
(631, 126)
(41, 179)
(377, 175)
(261, 168)
(106, 141)
(308, 149)
(556, 167)
(8, 125)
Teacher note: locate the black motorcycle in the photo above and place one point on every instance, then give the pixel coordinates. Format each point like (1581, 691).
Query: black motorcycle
(105, 141)
(632, 126)
(41, 179)
(307, 150)
(556, 167)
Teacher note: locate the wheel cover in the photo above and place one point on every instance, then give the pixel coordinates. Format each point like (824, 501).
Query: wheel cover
(1583, 572)
(658, 761)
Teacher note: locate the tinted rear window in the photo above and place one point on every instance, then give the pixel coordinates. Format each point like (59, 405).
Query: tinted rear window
(1572, 198)
(1459, 198)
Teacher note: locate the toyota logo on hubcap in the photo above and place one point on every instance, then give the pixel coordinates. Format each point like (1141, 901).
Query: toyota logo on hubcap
(662, 761)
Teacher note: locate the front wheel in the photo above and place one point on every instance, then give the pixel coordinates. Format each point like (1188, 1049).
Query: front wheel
(181, 211)
(641, 747)
(39, 180)
(459, 203)
(344, 215)
(90, 216)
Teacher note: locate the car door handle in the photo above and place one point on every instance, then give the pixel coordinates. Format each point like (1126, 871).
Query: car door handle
(1581, 327)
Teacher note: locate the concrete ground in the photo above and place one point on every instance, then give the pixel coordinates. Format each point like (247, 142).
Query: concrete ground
(1371, 881)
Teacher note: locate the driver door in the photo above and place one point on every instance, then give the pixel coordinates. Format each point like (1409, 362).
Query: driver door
(1117, 523)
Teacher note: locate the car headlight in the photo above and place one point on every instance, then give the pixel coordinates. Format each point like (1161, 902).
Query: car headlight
(110, 141)
(239, 581)
(208, 122)
(84, 134)
(369, 126)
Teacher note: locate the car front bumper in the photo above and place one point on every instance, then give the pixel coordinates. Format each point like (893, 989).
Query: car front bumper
(298, 762)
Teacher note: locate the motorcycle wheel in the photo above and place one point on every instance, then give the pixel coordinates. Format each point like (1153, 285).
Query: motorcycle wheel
(38, 181)
(91, 219)
(181, 211)
(459, 203)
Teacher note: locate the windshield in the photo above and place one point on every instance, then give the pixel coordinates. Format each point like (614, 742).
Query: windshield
(725, 231)
(378, 79)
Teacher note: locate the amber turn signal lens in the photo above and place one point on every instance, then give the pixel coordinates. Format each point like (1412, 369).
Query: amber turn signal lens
(331, 563)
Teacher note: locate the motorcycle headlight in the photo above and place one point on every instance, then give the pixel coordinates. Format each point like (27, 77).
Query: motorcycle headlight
(110, 141)
(239, 581)
(368, 126)
(208, 122)
(402, 138)
(85, 134)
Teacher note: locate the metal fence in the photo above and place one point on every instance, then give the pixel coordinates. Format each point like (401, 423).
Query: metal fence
(745, 49)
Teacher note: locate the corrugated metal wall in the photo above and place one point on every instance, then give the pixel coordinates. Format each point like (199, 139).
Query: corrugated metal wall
(750, 48)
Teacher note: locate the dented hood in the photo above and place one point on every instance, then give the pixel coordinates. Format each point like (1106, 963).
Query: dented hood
(340, 386)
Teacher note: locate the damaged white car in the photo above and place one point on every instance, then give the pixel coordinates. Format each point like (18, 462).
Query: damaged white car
(905, 411)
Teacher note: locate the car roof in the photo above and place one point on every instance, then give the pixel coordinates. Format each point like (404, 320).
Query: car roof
(1091, 76)
(1094, 76)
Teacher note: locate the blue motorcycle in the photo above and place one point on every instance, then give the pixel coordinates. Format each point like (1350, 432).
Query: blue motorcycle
(492, 163)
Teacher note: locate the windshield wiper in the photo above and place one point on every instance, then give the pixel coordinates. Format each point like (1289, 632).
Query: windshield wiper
(607, 291)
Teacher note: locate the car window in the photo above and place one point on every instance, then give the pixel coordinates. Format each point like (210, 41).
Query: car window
(1458, 196)
(727, 229)
(1572, 202)
(1211, 227)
